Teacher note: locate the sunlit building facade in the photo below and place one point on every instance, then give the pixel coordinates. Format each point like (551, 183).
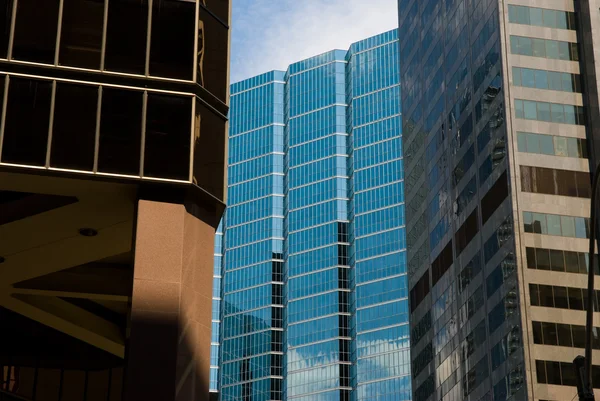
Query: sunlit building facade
(315, 292)
(500, 100)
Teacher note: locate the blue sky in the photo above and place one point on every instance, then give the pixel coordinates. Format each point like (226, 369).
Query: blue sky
(271, 34)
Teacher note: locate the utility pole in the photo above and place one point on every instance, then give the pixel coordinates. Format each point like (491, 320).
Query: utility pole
(583, 365)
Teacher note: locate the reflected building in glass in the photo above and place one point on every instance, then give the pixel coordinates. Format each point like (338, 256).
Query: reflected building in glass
(113, 120)
(314, 288)
(500, 102)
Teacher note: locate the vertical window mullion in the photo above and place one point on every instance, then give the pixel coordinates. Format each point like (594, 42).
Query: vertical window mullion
(143, 137)
(11, 37)
(148, 39)
(51, 121)
(3, 117)
(58, 33)
(104, 31)
(98, 119)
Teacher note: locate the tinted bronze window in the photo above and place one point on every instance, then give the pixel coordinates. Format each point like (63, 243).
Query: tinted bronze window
(6, 7)
(578, 336)
(126, 36)
(537, 333)
(168, 135)
(494, 197)
(568, 374)
(74, 127)
(549, 333)
(27, 122)
(534, 294)
(542, 257)
(557, 260)
(419, 291)
(212, 54)
(531, 263)
(553, 372)
(441, 264)
(564, 335)
(172, 41)
(209, 150)
(560, 297)
(220, 8)
(81, 35)
(582, 182)
(571, 262)
(575, 298)
(120, 131)
(540, 368)
(555, 182)
(543, 181)
(466, 232)
(35, 30)
(546, 296)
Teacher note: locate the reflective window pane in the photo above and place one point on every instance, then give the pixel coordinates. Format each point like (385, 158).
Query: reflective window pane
(557, 260)
(530, 110)
(539, 47)
(522, 141)
(568, 226)
(528, 77)
(546, 144)
(543, 111)
(554, 80)
(558, 114)
(209, 150)
(126, 19)
(552, 49)
(553, 224)
(535, 16)
(560, 297)
(549, 333)
(168, 135)
(81, 35)
(74, 127)
(35, 30)
(543, 259)
(27, 122)
(120, 131)
(220, 8)
(212, 54)
(6, 8)
(564, 335)
(541, 79)
(172, 41)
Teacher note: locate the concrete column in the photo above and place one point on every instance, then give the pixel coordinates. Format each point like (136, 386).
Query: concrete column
(168, 352)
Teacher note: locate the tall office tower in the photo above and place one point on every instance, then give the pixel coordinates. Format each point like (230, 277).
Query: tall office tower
(216, 313)
(112, 184)
(497, 98)
(314, 282)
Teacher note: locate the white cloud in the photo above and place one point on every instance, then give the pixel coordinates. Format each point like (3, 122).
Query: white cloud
(271, 34)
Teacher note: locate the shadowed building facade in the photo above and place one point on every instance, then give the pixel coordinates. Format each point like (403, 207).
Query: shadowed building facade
(112, 185)
(314, 286)
(500, 116)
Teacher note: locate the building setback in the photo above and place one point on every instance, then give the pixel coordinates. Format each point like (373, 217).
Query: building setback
(500, 103)
(112, 185)
(314, 288)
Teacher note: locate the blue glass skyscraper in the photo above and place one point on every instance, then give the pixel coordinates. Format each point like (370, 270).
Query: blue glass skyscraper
(314, 288)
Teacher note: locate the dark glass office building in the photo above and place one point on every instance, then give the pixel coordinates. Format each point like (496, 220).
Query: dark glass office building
(500, 102)
(112, 185)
